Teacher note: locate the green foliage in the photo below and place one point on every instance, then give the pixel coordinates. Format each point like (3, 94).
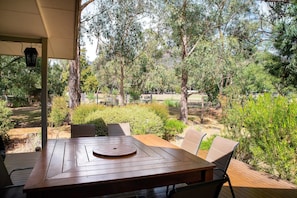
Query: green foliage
(91, 97)
(206, 143)
(17, 101)
(284, 40)
(160, 109)
(59, 111)
(80, 113)
(17, 80)
(79, 116)
(171, 103)
(135, 95)
(173, 127)
(5, 121)
(266, 128)
(254, 77)
(142, 120)
(57, 79)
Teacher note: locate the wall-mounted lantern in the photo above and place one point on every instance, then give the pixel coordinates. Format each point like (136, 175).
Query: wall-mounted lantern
(31, 56)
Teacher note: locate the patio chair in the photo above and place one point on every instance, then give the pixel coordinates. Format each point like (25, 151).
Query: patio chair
(209, 189)
(220, 153)
(7, 188)
(191, 143)
(192, 140)
(83, 130)
(118, 129)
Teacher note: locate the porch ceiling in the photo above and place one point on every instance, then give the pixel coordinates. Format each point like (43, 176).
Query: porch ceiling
(55, 20)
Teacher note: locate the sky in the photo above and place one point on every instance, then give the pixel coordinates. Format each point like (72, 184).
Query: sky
(90, 47)
(91, 50)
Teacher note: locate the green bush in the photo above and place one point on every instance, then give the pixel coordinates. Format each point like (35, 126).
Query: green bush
(171, 103)
(59, 111)
(142, 120)
(80, 113)
(5, 121)
(160, 109)
(266, 128)
(173, 127)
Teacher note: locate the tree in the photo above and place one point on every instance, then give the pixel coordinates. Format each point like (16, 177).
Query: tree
(89, 82)
(283, 17)
(13, 74)
(57, 78)
(119, 30)
(218, 23)
(74, 69)
(188, 24)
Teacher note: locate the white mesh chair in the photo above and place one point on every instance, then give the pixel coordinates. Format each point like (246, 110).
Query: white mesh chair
(191, 143)
(192, 140)
(220, 153)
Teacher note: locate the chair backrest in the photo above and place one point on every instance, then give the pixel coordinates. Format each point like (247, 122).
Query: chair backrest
(192, 140)
(83, 130)
(209, 189)
(4, 179)
(220, 152)
(118, 129)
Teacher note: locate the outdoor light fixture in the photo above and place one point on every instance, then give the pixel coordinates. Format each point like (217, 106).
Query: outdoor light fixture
(31, 56)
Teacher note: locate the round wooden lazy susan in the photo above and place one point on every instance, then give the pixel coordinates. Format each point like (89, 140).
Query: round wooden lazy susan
(114, 150)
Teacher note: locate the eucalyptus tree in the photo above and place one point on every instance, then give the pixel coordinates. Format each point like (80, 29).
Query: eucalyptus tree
(118, 26)
(88, 83)
(58, 77)
(283, 17)
(149, 70)
(194, 23)
(74, 68)
(188, 24)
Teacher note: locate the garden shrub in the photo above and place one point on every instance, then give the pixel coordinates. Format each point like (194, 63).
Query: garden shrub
(266, 128)
(160, 109)
(59, 111)
(173, 127)
(80, 113)
(171, 103)
(142, 120)
(5, 121)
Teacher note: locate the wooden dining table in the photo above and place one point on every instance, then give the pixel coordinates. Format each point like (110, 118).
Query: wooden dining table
(95, 166)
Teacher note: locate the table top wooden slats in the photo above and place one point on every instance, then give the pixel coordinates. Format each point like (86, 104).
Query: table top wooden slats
(68, 167)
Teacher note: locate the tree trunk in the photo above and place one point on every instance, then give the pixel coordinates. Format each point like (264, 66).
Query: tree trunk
(122, 94)
(184, 97)
(74, 66)
(184, 88)
(73, 84)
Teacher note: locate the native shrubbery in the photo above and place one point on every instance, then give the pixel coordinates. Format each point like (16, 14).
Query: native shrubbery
(5, 121)
(266, 128)
(59, 111)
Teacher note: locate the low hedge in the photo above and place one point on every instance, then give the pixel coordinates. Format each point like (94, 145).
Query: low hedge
(142, 120)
